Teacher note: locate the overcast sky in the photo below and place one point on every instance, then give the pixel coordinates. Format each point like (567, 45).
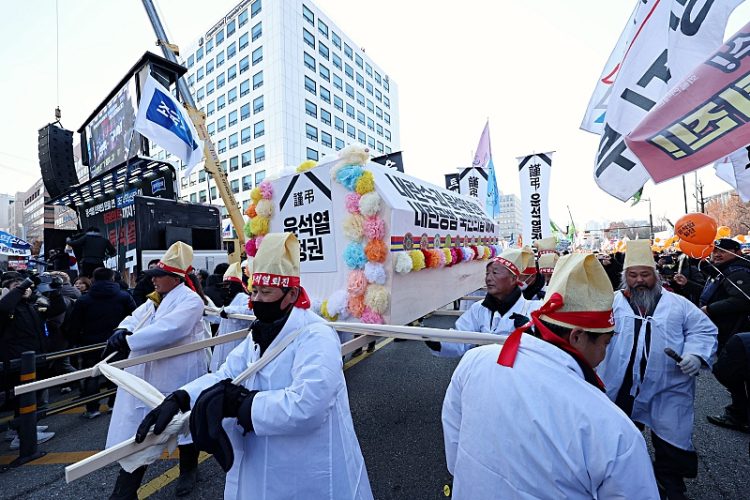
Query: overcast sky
(529, 66)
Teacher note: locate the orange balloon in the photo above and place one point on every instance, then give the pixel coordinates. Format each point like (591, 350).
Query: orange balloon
(697, 228)
(696, 251)
(723, 232)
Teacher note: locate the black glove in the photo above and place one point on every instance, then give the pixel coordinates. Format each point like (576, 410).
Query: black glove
(234, 396)
(435, 346)
(159, 417)
(518, 320)
(117, 343)
(25, 284)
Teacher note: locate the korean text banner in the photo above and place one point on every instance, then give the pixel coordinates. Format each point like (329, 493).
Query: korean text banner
(473, 182)
(12, 245)
(703, 118)
(534, 173)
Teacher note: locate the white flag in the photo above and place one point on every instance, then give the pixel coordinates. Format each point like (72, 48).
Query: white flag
(671, 38)
(163, 120)
(534, 173)
(735, 171)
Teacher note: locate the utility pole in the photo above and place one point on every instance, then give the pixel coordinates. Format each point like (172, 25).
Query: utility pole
(684, 192)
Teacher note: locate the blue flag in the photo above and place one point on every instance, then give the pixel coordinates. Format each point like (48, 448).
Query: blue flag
(492, 204)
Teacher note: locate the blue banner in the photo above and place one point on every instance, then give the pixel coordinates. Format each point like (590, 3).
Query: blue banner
(13, 245)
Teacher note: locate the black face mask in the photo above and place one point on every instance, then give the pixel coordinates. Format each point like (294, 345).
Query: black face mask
(268, 312)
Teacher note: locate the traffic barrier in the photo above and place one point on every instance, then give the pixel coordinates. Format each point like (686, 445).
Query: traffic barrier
(26, 421)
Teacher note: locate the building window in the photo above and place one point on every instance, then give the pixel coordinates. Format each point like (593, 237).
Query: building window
(200, 94)
(245, 112)
(336, 40)
(200, 74)
(348, 51)
(235, 186)
(231, 28)
(370, 124)
(351, 131)
(246, 159)
(311, 109)
(213, 193)
(259, 129)
(379, 129)
(193, 198)
(259, 176)
(326, 139)
(360, 99)
(190, 61)
(221, 124)
(324, 73)
(211, 108)
(231, 72)
(209, 46)
(377, 78)
(242, 18)
(350, 91)
(258, 80)
(387, 102)
(258, 104)
(309, 38)
(338, 103)
(336, 61)
(247, 182)
(308, 15)
(309, 61)
(368, 69)
(220, 81)
(219, 58)
(387, 118)
(244, 41)
(325, 116)
(219, 37)
(234, 163)
(221, 102)
(222, 146)
(199, 54)
(378, 112)
(260, 155)
(257, 55)
(257, 31)
(255, 8)
(210, 87)
(385, 85)
(361, 137)
(371, 141)
(325, 94)
(211, 128)
(358, 60)
(201, 175)
(349, 71)
(244, 88)
(233, 140)
(337, 82)
(245, 136)
(350, 110)
(311, 132)
(232, 95)
(244, 64)
(361, 117)
(370, 106)
(312, 154)
(338, 123)
(380, 146)
(233, 118)
(369, 88)
(360, 80)
(323, 50)
(387, 135)
(323, 28)
(310, 85)
(339, 144)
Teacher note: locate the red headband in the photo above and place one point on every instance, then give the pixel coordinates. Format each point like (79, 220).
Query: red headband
(179, 272)
(511, 266)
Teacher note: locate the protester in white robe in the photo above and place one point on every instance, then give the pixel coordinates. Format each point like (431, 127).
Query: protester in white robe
(503, 309)
(530, 419)
(238, 304)
(170, 317)
(287, 432)
(649, 386)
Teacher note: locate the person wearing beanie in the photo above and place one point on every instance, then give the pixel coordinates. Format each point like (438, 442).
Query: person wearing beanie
(504, 307)
(530, 418)
(648, 385)
(171, 316)
(286, 431)
(235, 301)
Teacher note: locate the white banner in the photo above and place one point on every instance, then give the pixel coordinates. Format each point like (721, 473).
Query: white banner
(735, 171)
(305, 207)
(473, 182)
(671, 38)
(534, 173)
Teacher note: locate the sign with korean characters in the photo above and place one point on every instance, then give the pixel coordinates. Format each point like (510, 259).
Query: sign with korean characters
(473, 182)
(534, 173)
(426, 216)
(304, 207)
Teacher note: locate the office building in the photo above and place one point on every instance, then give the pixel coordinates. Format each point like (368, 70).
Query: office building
(510, 220)
(281, 83)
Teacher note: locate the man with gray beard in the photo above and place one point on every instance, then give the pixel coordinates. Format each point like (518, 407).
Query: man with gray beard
(653, 389)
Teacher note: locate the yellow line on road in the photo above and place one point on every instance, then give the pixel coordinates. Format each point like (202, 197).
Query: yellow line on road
(163, 480)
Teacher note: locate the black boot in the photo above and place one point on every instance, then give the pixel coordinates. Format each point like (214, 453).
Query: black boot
(126, 487)
(188, 469)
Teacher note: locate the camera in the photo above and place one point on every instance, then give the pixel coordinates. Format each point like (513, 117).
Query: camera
(49, 285)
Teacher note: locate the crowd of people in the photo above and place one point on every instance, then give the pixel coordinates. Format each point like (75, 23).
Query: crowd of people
(596, 350)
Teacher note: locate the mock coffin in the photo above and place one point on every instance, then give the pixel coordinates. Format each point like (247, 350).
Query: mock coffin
(376, 245)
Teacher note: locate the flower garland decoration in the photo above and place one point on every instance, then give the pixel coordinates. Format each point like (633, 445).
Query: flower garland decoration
(367, 297)
(416, 260)
(259, 212)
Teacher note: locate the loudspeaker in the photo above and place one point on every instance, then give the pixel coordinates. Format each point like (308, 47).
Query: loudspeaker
(56, 159)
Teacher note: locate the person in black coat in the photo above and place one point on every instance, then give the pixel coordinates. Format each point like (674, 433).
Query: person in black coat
(732, 370)
(93, 319)
(91, 249)
(144, 286)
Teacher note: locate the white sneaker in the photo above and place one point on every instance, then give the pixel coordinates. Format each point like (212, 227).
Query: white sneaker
(11, 434)
(41, 437)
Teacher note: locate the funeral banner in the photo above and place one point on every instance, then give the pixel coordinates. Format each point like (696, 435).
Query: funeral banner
(534, 172)
(305, 209)
(451, 183)
(670, 39)
(703, 118)
(473, 182)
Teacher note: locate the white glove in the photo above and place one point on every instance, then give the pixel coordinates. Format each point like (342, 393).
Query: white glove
(690, 364)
